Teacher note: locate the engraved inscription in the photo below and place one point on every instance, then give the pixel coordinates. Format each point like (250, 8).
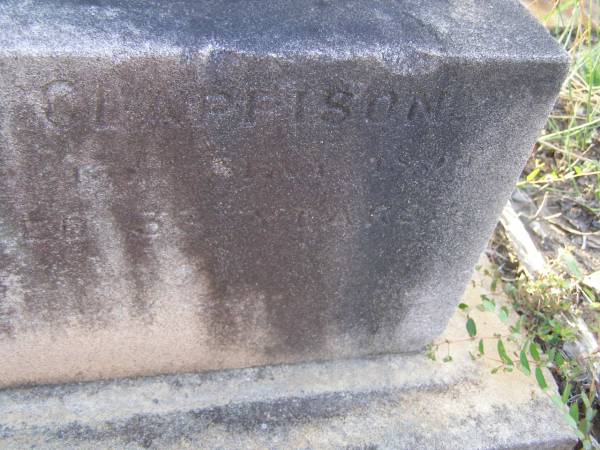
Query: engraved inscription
(38, 226)
(261, 105)
(218, 105)
(339, 106)
(66, 107)
(61, 103)
(299, 106)
(381, 106)
(100, 107)
(419, 109)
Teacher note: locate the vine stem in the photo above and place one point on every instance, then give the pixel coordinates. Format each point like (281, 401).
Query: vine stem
(453, 341)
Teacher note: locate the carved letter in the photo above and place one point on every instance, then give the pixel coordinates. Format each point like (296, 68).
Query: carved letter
(339, 106)
(218, 105)
(381, 106)
(62, 109)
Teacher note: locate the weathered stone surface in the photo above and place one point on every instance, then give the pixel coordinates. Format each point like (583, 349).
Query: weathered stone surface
(206, 184)
(387, 402)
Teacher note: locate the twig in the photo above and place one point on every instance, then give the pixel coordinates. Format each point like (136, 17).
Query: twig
(573, 230)
(532, 260)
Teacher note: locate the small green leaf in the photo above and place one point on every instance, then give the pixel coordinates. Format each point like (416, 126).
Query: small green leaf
(559, 359)
(567, 392)
(539, 376)
(502, 353)
(431, 349)
(587, 444)
(481, 352)
(503, 314)
(589, 293)
(570, 420)
(533, 174)
(535, 352)
(471, 327)
(586, 400)
(551, 354)
(510, 289)
(496, 369)
(487, 303)
(463, 307)
(524, 363)
(447, 358)
(574, 412)
(584, 425)
(494, 284)
(590, 413)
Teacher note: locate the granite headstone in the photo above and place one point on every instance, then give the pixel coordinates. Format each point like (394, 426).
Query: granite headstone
(197, 185)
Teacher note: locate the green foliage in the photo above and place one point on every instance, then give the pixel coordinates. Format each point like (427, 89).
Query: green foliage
(503, 314)
(524, 363)
(590, 66)
(541, 380)
(578, 409)
(502, 353)
(471, 327)
(487, 304)
(535, 352)
(531, 331)
(431, 351)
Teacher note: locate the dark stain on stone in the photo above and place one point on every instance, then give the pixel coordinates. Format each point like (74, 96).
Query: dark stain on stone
(43, 212)
(288, 232)
(152, 431)
(312, 190)
(284, 214)
(244, 234)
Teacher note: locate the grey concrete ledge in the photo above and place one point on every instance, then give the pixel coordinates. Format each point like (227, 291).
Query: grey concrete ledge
(384, 402)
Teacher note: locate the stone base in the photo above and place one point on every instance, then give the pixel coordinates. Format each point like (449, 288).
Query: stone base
(399, 402)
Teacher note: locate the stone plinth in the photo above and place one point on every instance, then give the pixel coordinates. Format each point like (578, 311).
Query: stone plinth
(200, 185)
(385, 402)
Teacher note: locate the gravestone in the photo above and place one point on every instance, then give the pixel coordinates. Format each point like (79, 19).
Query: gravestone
(200, 185)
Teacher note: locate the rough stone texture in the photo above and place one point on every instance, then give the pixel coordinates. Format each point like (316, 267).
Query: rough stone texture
(387, 402)
(197, 185)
